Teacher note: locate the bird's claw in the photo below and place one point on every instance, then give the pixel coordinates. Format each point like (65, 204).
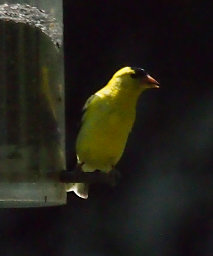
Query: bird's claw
(78, 168)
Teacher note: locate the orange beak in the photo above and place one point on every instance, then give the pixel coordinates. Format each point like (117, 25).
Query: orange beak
(151, 81)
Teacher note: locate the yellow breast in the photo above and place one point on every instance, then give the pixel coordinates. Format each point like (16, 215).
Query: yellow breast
(103, 135)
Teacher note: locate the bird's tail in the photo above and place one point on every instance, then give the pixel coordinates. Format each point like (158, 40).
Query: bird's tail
(80, 189)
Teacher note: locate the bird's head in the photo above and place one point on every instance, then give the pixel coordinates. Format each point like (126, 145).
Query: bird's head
(136, 78)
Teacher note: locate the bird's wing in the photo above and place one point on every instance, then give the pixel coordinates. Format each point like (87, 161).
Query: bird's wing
(89, 100)
(86, 106)
(79, 124)
(73, 162)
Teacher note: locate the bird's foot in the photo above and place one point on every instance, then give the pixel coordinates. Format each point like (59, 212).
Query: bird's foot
(78, 176)
(78, 168)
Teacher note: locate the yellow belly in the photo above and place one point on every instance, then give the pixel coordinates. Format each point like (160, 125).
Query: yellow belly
(101, 140)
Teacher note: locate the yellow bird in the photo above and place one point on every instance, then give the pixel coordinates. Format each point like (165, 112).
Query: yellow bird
(108, 118)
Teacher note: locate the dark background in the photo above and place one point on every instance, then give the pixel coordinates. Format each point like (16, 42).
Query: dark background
(163, 203)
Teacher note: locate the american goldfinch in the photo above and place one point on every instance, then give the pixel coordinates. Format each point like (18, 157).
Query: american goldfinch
(108, 118)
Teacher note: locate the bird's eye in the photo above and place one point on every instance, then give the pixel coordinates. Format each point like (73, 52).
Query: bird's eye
(139, 73)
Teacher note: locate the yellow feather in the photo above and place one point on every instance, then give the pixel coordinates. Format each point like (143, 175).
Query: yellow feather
(107, 121)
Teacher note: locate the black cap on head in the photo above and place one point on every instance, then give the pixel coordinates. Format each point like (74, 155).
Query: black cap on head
(139, 72)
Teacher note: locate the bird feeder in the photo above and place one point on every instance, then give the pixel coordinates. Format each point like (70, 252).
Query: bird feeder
(31, 103)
